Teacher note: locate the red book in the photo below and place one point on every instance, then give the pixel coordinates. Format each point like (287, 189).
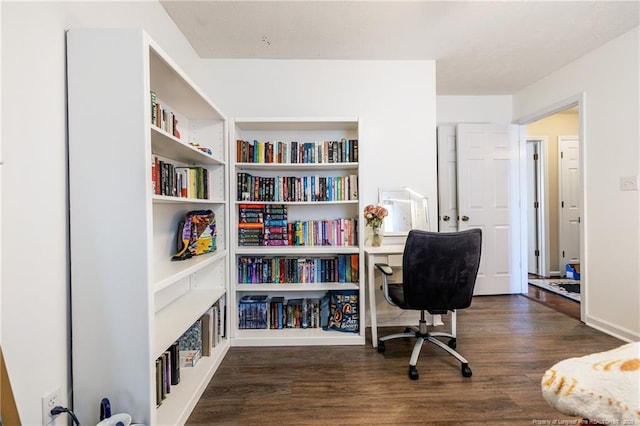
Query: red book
(155, 175)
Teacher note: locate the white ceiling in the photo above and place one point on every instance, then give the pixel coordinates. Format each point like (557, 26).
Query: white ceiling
(480, 47)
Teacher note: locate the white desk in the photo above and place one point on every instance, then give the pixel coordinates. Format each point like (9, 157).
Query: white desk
(375, 255)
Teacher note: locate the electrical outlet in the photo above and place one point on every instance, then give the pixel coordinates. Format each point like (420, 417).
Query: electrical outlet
(50, 400)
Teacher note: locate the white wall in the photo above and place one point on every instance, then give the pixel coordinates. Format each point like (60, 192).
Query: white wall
(609, 79)
(394, 99)
(474, 109)
(34, 206)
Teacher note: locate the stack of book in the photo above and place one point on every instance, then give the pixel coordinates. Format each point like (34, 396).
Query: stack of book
(296, 188)
(335, 232)
(177, 181)
(162, 117)
(253, 312)
(198, 341)
(342, 151)
(303, 313)
(341, 268)
(250, 224)
(167, 372)
(294, 313)
(275, 225)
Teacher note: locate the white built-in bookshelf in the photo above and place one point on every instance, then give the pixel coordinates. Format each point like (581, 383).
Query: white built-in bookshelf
(130, 301)
(325, 176)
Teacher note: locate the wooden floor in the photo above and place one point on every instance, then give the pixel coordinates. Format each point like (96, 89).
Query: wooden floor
(558, 303)
(510, 341)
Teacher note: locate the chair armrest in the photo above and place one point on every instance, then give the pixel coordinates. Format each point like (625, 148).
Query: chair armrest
(384, 268)
(387, 271)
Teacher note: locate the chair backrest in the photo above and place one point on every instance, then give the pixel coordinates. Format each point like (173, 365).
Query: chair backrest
(440, 269)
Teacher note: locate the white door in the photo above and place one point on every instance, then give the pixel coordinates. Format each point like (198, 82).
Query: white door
(488, 199)
(569, 182)
(447, 180)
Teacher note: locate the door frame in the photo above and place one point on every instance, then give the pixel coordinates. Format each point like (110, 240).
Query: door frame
(578, 100)
(542, 142)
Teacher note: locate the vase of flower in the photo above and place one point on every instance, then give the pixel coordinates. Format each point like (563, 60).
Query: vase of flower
(374, 215)
(376, 236)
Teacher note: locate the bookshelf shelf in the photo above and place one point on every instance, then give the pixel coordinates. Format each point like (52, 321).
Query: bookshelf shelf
(284, 167)
(168, 273)
(302, 150)
(294, 337)
(128, 294)
(170, 199)
(166, 145)
(174, 319)
(297, 250)
(258, 288)
(301, 203)
(176, 410)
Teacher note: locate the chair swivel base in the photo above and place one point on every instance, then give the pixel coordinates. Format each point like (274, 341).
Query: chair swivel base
(423, 336)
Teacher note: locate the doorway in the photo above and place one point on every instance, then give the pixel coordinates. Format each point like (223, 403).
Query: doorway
(552, 180)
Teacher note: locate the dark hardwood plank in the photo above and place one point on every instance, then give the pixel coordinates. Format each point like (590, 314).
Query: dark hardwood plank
(510, 341)
(561, 304)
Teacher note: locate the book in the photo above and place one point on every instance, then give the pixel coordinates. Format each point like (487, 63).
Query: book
(158, 382)
(207, 333)
(253, 312)
(192, 338)
(166, 363)
(163, 377)
(276, 312)
(153, 107)
(215, 312)
(174, 350)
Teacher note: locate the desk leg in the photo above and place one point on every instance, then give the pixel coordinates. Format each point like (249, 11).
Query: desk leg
(371, 284)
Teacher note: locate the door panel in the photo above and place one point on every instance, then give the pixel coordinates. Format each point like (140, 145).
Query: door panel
(447, 180)
(488, 199)
(569, 175)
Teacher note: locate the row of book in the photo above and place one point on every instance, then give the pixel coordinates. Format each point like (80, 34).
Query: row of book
(330, 232)
(296, 188)
(198, 341)
(263, 312)
(163, 118)
(342, 151)
(342, 268)
(177, 181)
(262, 224)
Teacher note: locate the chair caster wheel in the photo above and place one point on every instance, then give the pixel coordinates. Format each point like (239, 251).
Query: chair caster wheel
(408, 330)
(452, 343)
(381, 347)
(466, 371)
(413, 373)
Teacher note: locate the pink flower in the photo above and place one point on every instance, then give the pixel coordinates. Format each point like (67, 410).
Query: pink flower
(374, 215)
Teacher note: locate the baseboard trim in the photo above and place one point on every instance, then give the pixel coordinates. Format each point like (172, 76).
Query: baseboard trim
(612, 329)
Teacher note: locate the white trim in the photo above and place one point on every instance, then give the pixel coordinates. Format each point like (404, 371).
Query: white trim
(612, 329)
(578, 100)
(543, 209)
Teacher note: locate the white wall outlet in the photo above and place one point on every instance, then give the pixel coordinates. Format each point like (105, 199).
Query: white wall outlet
(629, 183)
(50, 400)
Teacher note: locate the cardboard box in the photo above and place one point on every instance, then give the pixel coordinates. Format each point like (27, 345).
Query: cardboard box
(189, 358)
(572, 271)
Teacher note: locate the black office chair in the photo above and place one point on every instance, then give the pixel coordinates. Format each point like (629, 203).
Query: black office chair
(438, 276)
